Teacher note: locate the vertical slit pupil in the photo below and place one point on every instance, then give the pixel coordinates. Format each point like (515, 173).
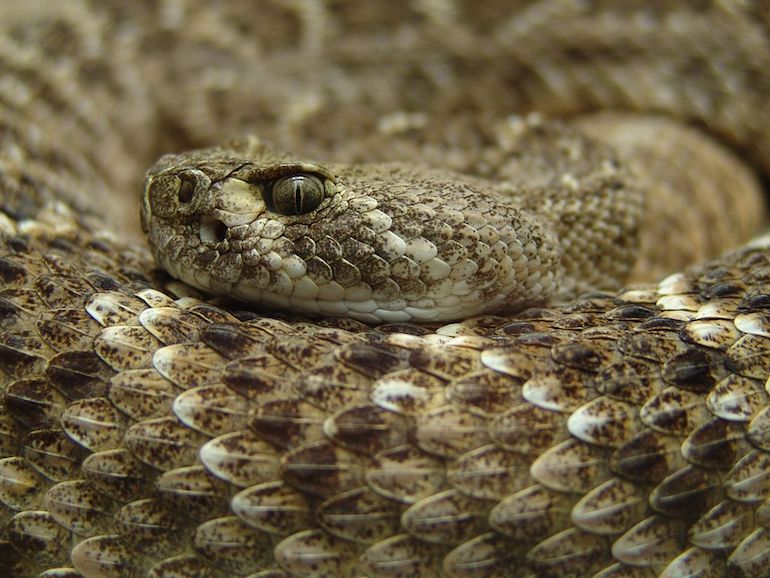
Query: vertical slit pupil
(298, 197)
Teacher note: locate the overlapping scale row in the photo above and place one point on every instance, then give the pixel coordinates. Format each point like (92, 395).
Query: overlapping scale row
(623, 435)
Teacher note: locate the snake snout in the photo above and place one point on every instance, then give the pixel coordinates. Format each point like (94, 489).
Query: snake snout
(175, 194)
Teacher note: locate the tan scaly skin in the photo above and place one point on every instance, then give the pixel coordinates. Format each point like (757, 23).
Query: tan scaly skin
(148, 430)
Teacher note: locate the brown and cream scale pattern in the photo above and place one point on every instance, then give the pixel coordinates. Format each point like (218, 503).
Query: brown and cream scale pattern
(620, 435)
(388, 242)
(146, 432)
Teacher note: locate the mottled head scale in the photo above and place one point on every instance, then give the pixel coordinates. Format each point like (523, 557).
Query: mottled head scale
(379, 243)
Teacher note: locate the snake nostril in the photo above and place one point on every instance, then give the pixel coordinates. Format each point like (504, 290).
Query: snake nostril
(186, 189)
(212, 230)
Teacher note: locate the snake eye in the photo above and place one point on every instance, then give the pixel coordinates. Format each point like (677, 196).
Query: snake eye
(297, 194)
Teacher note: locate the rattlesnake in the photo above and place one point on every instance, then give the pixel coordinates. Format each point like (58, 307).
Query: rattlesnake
(147, 429)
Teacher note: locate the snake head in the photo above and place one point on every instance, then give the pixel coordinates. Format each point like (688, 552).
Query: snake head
(373, 242)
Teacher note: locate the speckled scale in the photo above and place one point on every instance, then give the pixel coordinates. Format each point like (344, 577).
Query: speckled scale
(373, 359)
(754, 323)
(125, 347)
(234, 341)
(563, 390)
(331, 386)
(189, 364)
(752, 556)
(450, 431)
(717, 443)
(298, 352)
(695, 369)
(150, 526)
(259, 378)
(163, 443)
(648, 457)
(62, 290)
(611, 508)
(528, 429)
(696, 562)
(318, 554)
(367, 428)
(78, 507)
(111, 308)
(712, 333)
(78, 374)
(485, 392)
(287, 423)
(22, 354)
(171, 325)
(737, 398)
(273, 507)
(414, 559)
(522, 359)
(586, 355)
(194, 490)
(211, 409)
(571, 551)
(532, 514)
(487, 555)
(575, 321)
(102, 556)
(605, 421)
(749, 357)
(19, 484)
(749, 478)
(183, 566)
(94, 423)
(52, 453)
(634, 380)
(758, 430)
(408, 391)
(654, 540)
(33, 402)
(674, 411)
(155, 298)
(207, 311)
(141, 393)
(687, 491)
(16, 306)
(571, 466)
(448, 517)
(406, 474)
(68, 329)
(322, 468)
(489, 473)
(361, 516)
(229, 543)
(37, 535)
(719, 308)
(116, 473)
(240, 458)
(446, 363)
(655, 340)
(724, 526)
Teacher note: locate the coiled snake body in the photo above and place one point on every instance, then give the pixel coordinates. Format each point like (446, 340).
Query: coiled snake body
(599, 430)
